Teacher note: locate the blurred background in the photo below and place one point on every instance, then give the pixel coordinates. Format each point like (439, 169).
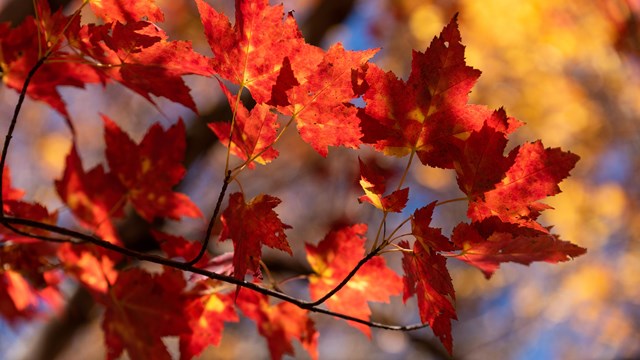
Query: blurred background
(569, 69)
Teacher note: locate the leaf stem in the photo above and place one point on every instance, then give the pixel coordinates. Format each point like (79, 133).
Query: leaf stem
(452, 200)
(385, 213)
(406, 170)
(391, 236)
(382, 222)
(233, 123)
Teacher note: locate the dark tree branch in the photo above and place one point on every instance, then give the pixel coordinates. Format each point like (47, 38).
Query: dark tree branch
(347, 278)
(190, 268)
(14, 121)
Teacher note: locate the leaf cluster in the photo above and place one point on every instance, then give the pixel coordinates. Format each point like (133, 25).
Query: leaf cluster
(425, 118)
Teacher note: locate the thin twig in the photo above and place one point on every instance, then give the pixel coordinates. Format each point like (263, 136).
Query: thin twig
(348, 277)
(212, 221)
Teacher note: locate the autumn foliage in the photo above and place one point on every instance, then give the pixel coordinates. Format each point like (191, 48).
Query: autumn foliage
(425, 119)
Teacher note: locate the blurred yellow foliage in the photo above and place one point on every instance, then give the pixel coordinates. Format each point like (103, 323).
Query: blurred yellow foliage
(52, 151)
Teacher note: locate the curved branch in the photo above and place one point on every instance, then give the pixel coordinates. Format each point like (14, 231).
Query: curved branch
(310, 306)
(14, 121)
(347, 278)
(212, 221)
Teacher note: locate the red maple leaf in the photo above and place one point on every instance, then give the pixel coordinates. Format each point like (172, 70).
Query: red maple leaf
(22, 47)
(26, 282)
(93, 197)
(279, 324)
(18, 300)
(332, 260)
(490, 242)
(426, 275)
(91, 265)
(8, 192)
(374, 186)
(533, 175)
(140, 309)
(26, 210)
(126, 10)
(482, 164)
(25, 295)
(251, 52)
(320, 103)
(431, 115)
(428, 236)
(206, 312)
(253, 133)
(251, 225)
(20, 250)
(139, 56)
(149, 170)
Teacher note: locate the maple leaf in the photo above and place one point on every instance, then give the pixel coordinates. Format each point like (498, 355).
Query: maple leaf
(320, 103)
(20, 250)
(279, 324)
(490, 242)
(139, 56)
(432, 115)
(126, 10)
(253, 133)
(149, 170)
(8, 192)
(270, 58)
(93, 197)
(252, 52)
(428, 236)
(482, 163)
(207, 314)
(332, 260)
(26, 210)
(17, 298)
(285, 81)
(93, 266)
(251, 225)
(25, 298)
(533, 175)
(374, 186)
(52, 25)
(22, 47)
(140, 309)
(26, 281)
(426, 275)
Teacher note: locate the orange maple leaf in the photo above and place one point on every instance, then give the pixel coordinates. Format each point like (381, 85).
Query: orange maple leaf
(333, 258)
(280, 324)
